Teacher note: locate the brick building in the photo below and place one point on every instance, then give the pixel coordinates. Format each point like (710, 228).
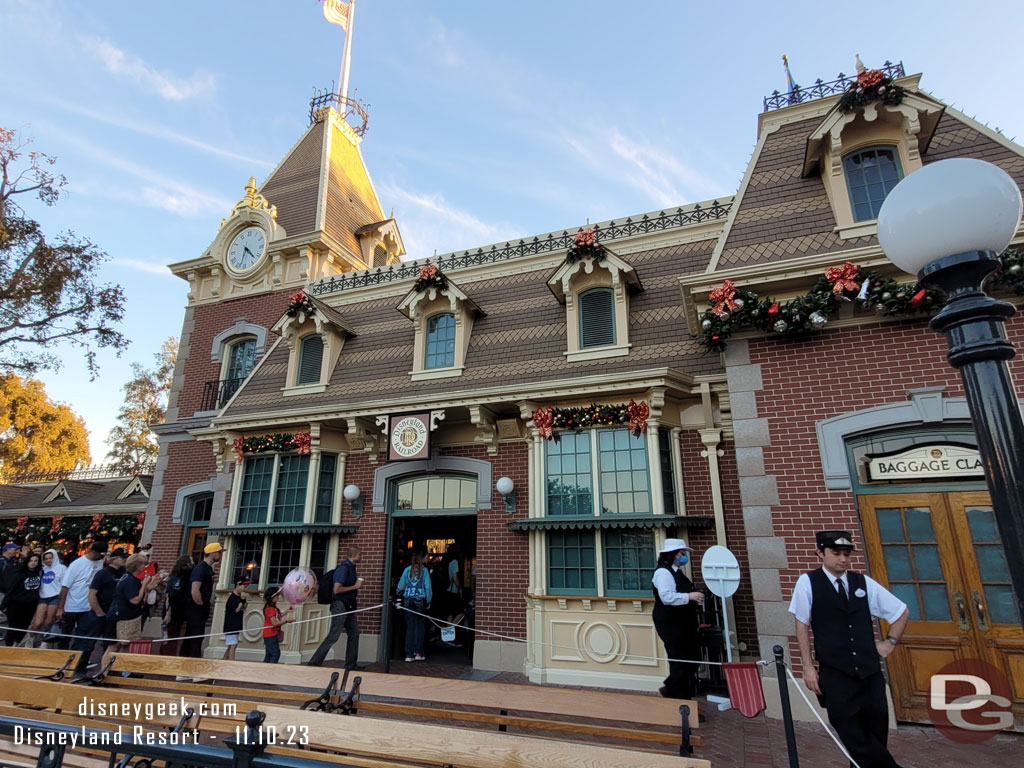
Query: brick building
(415, 391)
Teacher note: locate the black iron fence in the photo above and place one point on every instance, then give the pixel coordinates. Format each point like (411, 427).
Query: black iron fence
(247, 749)
(821, 89)
(217, 393)
(552, 242)
(102, 472)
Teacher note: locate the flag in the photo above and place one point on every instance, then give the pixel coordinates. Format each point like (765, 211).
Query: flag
(336, 12)
(790, 82)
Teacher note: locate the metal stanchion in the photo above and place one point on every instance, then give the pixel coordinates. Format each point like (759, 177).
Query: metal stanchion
(787, 712)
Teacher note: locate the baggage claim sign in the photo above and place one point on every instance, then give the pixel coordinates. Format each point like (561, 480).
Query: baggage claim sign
(926, 462)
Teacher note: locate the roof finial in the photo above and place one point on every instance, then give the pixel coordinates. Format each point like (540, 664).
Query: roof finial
(860, 65)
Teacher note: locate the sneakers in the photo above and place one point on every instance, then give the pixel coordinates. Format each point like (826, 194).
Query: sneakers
(420, 657)
(408, 659)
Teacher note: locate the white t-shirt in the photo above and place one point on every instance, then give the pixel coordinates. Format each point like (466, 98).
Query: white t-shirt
(77, 579)
(53, 578)
(882, 603)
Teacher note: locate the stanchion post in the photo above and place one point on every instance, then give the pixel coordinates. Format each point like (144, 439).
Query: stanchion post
(787, 712)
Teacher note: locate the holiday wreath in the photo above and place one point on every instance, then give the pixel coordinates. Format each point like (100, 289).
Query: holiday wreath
(430, 276)
(732, 307)
(871, 85)
(585, 246)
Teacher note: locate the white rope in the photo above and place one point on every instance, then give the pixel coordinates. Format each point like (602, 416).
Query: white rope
(828, 730)
(326, 617)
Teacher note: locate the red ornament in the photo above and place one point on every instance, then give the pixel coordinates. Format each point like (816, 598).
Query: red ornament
(543, 419)
(842, 278)
(918, 299)
(638, 413)
(302, 443)
(715, 338)
(774, 309)
(723, 298)
(870, 78)
(55, 523)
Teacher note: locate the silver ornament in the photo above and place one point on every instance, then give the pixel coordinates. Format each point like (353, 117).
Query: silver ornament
(780, 326)
(738, 303)
(706, 324)
(1014, 269)
(724, 315)
(817, 319)
(880, 309)
(886, 296)
(881, 89)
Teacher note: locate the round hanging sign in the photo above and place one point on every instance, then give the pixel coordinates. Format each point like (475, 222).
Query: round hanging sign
(720, 571)
(408, 436)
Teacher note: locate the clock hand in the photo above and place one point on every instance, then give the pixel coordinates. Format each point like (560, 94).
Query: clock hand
(250, 253)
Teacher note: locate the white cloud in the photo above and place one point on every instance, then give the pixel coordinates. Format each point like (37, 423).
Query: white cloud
(131, 67)
(429, 223)
(142, 266)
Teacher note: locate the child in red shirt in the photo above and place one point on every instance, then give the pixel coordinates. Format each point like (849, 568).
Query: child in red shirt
(273, 620)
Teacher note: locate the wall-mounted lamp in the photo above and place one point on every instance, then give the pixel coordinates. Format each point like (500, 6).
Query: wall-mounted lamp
(353, 496)
(507, 489)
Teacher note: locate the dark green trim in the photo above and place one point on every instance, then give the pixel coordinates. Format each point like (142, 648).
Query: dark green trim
(434, 513)
(241, 530)
(692, 522)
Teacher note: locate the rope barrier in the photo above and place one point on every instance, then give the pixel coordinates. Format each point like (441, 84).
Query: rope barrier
(800, 690)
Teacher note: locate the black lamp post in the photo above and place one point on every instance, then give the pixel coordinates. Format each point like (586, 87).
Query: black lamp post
(948, 223)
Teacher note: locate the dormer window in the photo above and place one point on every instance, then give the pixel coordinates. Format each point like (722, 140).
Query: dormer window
(597, 318)
(311, 355)
(440, 341)
(870, 175)
(443, 316)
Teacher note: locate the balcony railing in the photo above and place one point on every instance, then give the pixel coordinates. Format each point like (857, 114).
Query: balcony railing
(217, 393)
(821, 89)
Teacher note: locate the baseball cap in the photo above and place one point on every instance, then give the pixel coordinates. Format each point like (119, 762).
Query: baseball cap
(209, 549)
(11, 545)
(99, 547)
(119, 552)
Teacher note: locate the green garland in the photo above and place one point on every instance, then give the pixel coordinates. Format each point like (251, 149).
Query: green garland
(881, 89)
(278, 442)
(580, 417)
(811, 312)
(72, 528)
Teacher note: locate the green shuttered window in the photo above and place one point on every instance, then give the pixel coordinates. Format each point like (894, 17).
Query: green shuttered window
(597, 318)
(311, 355)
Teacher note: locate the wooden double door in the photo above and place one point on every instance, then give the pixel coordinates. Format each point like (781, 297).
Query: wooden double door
(940, 553)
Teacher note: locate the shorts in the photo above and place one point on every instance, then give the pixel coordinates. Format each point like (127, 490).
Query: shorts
(129, 629)
(49, 600)
(231, 639)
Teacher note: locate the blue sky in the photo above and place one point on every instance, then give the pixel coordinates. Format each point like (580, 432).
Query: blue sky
(487, 120)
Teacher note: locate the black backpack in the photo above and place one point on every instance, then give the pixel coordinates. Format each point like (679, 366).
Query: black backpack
(325, 588)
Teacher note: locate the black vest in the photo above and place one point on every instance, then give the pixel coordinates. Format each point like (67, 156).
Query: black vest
(844, 639)
(675, 620)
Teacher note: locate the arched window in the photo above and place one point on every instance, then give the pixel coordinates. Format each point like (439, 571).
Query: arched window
(241, 358)
(311, 355)
(870, 175)
(597, 318)
(440, 348)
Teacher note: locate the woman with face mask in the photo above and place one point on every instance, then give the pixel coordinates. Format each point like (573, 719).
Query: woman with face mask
(675, 618)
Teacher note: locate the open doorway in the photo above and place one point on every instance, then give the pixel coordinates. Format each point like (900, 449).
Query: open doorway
(442, 539)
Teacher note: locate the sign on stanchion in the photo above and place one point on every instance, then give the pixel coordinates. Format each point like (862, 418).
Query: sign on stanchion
(721, 573)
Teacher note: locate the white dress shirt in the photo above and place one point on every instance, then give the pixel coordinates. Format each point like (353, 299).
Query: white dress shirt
(882, 603)
(665, 583)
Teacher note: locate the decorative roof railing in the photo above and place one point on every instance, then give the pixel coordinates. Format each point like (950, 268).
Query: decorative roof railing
(821, 89)
(348, 107)
(549, 243)
(102, 472)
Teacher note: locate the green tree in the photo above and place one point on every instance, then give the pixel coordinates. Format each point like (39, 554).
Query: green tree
(132, 442)
(49, 292)
(37, 434)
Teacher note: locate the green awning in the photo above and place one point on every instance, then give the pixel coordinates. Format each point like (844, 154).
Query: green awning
(691, 522)
(244, 530)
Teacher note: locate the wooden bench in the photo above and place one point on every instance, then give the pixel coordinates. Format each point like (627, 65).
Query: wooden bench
(361, 741)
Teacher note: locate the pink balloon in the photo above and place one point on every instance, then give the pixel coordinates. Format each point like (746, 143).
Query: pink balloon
(298, 585)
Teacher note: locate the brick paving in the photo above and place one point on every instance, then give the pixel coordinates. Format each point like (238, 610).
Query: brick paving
(729, 740)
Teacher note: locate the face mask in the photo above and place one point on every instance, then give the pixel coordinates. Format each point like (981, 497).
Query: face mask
(682, 560)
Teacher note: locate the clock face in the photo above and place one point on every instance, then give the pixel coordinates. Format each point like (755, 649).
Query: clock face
(247, 248)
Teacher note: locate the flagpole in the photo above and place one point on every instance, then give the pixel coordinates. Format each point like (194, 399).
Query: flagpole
(346, 57)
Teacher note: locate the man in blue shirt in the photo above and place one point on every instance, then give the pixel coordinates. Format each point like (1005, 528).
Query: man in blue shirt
(346, 587)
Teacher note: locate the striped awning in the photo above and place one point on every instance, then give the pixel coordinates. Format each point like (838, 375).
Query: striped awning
(691, 522)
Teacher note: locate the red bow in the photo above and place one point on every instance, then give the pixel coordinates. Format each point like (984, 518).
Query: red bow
(240, 449)
(140, 520)
(297, 298)
(774, 309)
(543, 419)
(302, 443)
(638, 413)
(21, 522)
(585, 237)
(842, 278)
(96, 520)
(429, 272)
(723, 298)
(870, 77)
(55, 523)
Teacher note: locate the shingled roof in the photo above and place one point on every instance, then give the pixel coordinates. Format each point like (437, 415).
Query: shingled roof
(93, 493)
(339, 201)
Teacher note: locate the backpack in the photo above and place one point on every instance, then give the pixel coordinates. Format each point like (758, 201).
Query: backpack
(325, 588)
(175, 587)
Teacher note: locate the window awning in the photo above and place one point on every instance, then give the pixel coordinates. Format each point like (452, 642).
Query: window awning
(246, 530)
(692, 522)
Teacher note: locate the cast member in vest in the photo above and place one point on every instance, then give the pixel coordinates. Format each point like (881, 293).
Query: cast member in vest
(837, 605)
(675, 618)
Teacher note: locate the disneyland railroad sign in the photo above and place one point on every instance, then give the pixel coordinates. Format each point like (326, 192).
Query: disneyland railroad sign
(926, 462)
(409, 437)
